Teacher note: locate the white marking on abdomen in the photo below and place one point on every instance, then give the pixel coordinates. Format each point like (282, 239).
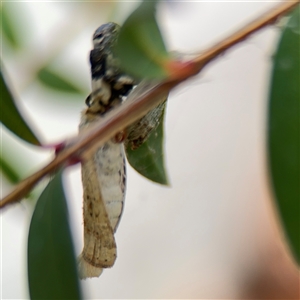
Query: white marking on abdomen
(109, 161)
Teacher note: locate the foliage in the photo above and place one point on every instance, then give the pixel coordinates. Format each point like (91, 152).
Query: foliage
(51, 261)
(55, 81)
(12, 118)
(148, 159)
(284, 131)
(140, 47)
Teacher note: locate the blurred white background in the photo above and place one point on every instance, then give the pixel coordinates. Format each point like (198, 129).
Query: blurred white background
(202, 236)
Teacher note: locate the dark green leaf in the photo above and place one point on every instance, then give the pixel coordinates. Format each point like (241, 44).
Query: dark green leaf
(52, 272)
(148, 159)
(55, 81)
(284, 130)
(9, 171)
(140, 45)
(8, 27)
(11, 117)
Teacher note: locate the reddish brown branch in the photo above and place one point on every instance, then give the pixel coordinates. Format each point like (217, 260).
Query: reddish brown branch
(132, 110)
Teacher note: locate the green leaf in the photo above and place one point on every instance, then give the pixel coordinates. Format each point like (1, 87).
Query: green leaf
(8, 27)
(55, 81)
(52, 272)
(9, 171)
(11, 117)
(148, 159)
(140, 46)
(283, 140)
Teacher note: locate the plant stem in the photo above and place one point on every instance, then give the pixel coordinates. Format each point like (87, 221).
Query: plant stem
(136, 107)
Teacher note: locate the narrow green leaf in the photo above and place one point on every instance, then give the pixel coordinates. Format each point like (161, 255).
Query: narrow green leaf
(55, 81)
(9, 171)
(52, 272)
(140, 45)
(8, 27)
(148, 159)
(284, 131)
(11, 117)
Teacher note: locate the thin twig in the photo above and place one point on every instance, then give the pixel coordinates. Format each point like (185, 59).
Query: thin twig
(140, 104)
